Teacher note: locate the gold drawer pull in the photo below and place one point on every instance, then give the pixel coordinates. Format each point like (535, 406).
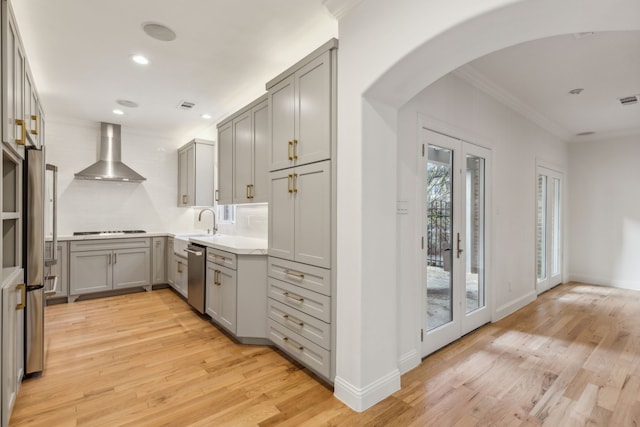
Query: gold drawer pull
(292, 320)
(293, 344)
(293, 297)
(23, 139)
(37, 129)
(23, 290)
(289, 181)
(294, 274)
(289, 150)
(295, 149)
(185, 199)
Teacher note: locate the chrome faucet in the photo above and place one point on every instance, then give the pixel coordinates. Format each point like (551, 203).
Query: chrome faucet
(215, 226)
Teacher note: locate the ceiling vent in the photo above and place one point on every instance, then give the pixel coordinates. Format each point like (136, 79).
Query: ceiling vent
(629, 100)
(186, 105)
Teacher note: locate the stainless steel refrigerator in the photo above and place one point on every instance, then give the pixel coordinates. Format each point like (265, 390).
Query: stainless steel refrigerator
(35, 258)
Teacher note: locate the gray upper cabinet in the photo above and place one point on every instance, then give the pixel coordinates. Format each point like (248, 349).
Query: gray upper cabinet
(224, 193)
(300, 114)
(242, 154)
(196, 174)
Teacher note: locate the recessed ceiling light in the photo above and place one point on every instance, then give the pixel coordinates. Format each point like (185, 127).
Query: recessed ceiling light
(206, 116)
(127, 103)
(118, 112)
(158, 31)
(140, 59)
(576, 91)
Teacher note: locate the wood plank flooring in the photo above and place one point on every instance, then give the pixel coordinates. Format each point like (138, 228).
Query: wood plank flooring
(570, 358)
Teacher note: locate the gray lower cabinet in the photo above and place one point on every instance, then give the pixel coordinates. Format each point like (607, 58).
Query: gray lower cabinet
(60, 270)
(300, 313)
(158, 261)
(236, 294)
(109, 264)
(178, 274)
(12, 339)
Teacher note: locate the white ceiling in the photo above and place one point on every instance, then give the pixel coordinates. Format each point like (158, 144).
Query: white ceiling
(535, 79)
(225, 51)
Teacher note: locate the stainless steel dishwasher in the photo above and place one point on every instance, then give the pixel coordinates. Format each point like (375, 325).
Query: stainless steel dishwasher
(197, 268)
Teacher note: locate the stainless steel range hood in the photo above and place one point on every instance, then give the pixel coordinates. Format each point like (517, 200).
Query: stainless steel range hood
(109, 167)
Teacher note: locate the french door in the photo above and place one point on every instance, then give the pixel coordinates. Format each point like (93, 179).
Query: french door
(454, 254)
(548, 229)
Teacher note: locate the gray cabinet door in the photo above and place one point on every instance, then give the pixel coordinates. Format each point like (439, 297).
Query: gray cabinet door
(224, 194)
(131, 268)
(281, 118)
(260, 189)
(242, 158)
(158, 260)
(171, 275)
(313, 214)
(90, 271)
(313, 111)
(183, 178)
(281, 214)
(12, 332)
(228, 298)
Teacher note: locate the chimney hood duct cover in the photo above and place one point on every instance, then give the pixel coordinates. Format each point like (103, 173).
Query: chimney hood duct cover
(109, 167)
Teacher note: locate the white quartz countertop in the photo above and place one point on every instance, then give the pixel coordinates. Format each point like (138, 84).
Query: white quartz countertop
(236, 244)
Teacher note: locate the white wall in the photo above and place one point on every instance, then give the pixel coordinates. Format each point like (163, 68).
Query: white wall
(151, 205)
(379, 71)
(454, 107)
(604, 230)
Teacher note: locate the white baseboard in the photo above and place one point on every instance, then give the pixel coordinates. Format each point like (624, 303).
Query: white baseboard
(514, 305)
(361, 399)
(605, 281)
(408, 361)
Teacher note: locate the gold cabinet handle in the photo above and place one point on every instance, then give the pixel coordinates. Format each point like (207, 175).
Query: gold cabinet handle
(37, 129)
(293, 297)
(216, 277)
(293, 344)
(248, 192)
(217, 197)
(179, 266)
(251, 191)
(23, 290)
(294, 274)
(292, 320)
(109, 259)
(23, 125)
(295, 149)
(115, 258)
(289, 181)
(295, 182)
(289, 147)
(185, 199)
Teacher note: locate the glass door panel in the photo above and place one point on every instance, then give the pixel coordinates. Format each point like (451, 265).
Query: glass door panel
(439, 295)
(475, 233)
(548, 229)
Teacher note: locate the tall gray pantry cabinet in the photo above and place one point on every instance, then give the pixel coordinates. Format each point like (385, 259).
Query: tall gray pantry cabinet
(302, 219)
(22, 125)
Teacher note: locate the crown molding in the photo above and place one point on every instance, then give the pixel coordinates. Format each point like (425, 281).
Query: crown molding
(478, 80)
(340, 8)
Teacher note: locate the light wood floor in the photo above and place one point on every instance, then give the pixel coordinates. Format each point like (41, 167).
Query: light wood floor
(570, 358)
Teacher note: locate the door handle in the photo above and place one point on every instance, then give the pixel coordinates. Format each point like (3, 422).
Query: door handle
(191, 251)
(458, 250)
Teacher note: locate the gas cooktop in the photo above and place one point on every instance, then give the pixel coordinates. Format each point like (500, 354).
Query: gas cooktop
(106, 233)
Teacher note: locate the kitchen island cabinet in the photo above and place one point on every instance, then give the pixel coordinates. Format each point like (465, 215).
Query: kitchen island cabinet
(110, 264)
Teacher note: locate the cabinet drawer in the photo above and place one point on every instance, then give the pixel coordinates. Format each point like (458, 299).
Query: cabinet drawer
(311, 303)
(227, 259)
(311, 355)
(107, 244)
(309, 327)
(309, 277)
